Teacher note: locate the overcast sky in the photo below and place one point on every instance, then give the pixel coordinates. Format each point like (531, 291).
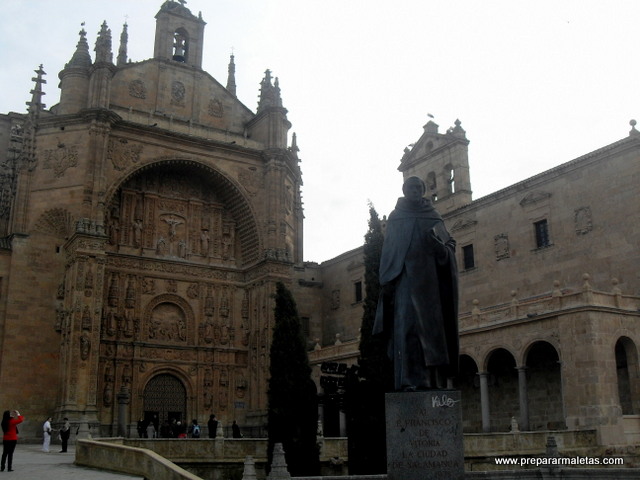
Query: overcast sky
(534, 83)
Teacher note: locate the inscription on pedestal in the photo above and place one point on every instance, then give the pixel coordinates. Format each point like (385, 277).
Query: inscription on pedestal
(424, 436)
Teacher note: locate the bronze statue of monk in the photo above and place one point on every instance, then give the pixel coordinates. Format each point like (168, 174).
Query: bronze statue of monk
(418, 304)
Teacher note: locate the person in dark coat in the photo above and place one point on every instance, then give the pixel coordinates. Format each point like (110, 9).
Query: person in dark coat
(212, 426)
(235, 430)
(418, 304)
(65, 433)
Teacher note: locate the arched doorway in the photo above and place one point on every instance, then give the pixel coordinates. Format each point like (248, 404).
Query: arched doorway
(627, 374)
(165, 401)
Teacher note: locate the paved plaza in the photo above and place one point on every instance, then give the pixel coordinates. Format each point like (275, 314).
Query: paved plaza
(31, 463)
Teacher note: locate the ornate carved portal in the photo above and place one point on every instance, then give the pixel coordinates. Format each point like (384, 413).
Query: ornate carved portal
(179, 299)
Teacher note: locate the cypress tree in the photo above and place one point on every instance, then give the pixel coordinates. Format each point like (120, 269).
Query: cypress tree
(375, 366)
(293, 405)
(365, 390)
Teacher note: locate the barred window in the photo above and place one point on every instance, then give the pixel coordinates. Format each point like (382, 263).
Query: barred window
(542, 233)
(357, 291)
(468, 259)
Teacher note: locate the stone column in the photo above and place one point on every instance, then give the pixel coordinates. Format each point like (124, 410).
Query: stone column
(484, 401)
(343, 421)
(123, 401)
(522, 395)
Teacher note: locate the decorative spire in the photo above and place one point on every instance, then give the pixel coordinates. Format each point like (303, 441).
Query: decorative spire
(122, 51)
(231, 79)
(269, 93)
(458, 131)
(103, 45)
(294, 144)
(81, 57)
(36, 105)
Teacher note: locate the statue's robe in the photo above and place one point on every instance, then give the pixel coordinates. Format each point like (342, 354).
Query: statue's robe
(418, 304)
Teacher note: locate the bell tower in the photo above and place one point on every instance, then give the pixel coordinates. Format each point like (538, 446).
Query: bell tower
(179, 34)
(442, 161)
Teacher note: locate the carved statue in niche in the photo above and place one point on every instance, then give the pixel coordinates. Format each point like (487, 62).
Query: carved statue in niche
(172, 286)
(224, 335)
(130, 295)
(113, 224)
(120, 321)
(126, 375)
(86, 318)
(206, 330)
(108, 394)
(137, 233)
(182, 330)
(224, 304)
(114, 291)
(88, 282)
(85, 346)
(182, 249)
(109, 323)
(148, 286)
(241, 385)
(128, 324)
(161, 246)
(204, 243)
(228, 234)
(209, 303)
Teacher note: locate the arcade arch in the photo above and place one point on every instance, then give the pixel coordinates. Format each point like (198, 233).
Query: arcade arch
(469, 385)
(627, 372)
(544, 402)
(503, 392)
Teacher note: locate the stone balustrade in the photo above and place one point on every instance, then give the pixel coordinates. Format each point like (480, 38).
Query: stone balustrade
(554, 301)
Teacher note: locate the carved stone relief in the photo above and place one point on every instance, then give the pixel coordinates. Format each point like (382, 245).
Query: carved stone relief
(123, 154)
(56, 221)
(216, 109)
(172, 215)
(583, 222)
(501, 244)
(178, 93)
(168, 319)
(137, 89)
(60, 159)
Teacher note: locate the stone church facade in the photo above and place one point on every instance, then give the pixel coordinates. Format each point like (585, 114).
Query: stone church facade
(146, 218)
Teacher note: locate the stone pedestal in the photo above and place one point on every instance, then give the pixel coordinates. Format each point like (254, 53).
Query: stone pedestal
(424, 435)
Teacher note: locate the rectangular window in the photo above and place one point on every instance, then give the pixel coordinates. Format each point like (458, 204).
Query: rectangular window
(542, 233)
(358, 291)
(468, 260)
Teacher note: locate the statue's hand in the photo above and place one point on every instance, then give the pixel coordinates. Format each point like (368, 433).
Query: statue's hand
(438, 245)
